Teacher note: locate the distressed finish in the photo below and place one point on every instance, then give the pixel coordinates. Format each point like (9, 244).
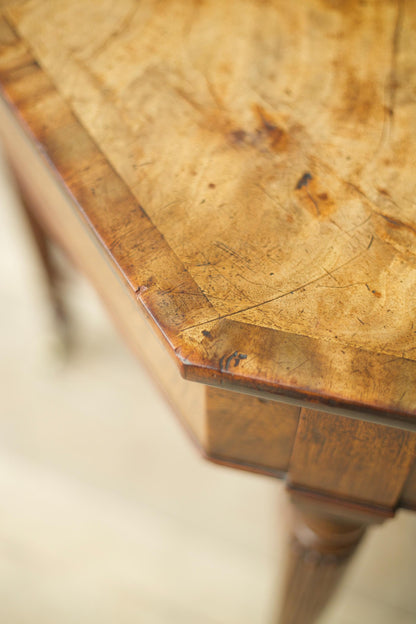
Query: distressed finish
(330, 453)
(277, 169)
(239, 187)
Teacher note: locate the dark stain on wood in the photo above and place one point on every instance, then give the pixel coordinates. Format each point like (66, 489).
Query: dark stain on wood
(269, 127)
(237, 357)
(240, 356)
(315, 200)
(383, 191)
(238, 136)
(303, 181)
(396, 223)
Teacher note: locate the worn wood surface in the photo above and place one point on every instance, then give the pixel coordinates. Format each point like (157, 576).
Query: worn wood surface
(250, 432)
(245, 172)
(352, 460)
(49, 207)
(94, 161)
(261, 194)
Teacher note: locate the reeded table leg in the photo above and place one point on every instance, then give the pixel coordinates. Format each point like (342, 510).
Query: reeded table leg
(339, 485)
(319, 551)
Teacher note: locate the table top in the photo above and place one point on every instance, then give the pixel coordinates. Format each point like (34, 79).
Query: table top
(249, 168)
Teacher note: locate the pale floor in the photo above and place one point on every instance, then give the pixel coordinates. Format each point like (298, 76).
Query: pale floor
(107, 513)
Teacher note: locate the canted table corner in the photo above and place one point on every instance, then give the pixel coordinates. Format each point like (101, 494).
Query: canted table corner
(237, 181)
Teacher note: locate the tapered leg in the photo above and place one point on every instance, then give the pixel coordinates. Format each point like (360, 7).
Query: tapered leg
(52, 275)
(320, 549)
(51, 271)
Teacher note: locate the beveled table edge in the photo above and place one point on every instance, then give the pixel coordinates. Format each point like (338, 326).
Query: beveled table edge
(224, 352)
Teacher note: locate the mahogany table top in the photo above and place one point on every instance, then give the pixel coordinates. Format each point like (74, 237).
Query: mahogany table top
(249, 168)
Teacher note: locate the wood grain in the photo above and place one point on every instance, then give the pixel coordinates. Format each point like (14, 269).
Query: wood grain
(357, 461)
(49, 206)
(242, 175)
(240, 134)
(249, 431)
(265, 195)
(319, 552)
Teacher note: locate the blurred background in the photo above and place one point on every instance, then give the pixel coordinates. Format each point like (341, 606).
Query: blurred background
(107, 513)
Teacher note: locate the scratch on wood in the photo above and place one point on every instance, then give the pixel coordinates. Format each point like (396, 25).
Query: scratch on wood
(122, 27)
(396, 222)
(187, 98)
(392, 84)
(144, 164)
(226, 249)
(330, 274)
(262, 303)
(396, 359)
(391, 81)
(298, 366)
(373, 207)
(273, 199)
(315, 203)
(345, 286)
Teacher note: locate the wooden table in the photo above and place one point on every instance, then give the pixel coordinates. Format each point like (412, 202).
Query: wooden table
(237, 179)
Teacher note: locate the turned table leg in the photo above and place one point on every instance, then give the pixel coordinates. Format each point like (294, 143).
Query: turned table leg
(319, 550)
(344, 475)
